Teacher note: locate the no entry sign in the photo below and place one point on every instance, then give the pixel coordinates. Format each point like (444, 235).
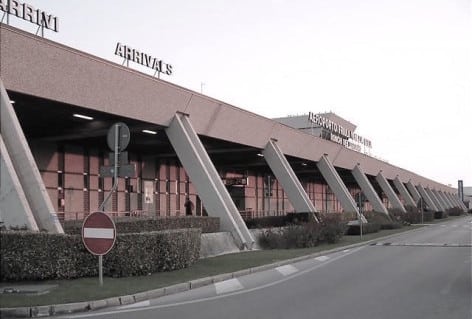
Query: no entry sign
(98, 233)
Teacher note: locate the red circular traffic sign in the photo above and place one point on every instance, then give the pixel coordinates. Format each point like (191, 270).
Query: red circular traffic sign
(98, 233)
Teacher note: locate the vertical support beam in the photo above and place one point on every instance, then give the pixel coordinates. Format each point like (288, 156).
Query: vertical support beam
(204, 176)
(25, 167)
(368, 190)
(287, 178)
(404, 192)
(427, 199)
(388, 190)
(413, 191)
(337, 186)
(437, 203)
(14, 208)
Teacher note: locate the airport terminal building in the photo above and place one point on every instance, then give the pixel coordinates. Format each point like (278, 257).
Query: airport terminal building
(191, 154)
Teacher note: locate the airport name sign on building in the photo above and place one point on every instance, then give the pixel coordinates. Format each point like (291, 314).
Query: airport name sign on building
(29, 13)
(147, 60)
(341, 135)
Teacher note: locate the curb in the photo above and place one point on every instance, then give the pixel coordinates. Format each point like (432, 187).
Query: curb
(64, 309)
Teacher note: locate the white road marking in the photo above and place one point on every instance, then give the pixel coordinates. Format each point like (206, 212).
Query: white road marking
(286, 270)
(226, 286)
(144, 303)
(176, 304)
(105, 233)
(345, 250)
(322, 258)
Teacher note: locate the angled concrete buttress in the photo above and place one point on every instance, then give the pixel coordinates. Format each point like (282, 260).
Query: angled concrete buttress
(204, 176)
(404, 192)
(368, 190)
(435, 200)
(459, 202)
(337, 186)
(14, 208)
(287, 178)
(427, 198)
(450, 197)
(456, 201)
(440, 199)
(26, 169)
(413, 191)
(388, 190)
(444, 199)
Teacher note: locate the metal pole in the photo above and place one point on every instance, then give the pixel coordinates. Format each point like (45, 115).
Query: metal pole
(422, 210)
(102, 207)
(360, 214)
(100, 270)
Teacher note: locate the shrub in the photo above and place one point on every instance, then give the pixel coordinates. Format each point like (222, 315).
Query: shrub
(366, 228)
(413, 215)
(330, 229)
(333, 227)
(454, 211)
(126, 225)
(391, 221)
(37, 256)
(440, 215)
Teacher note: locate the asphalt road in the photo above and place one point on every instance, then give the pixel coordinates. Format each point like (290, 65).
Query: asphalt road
(422, 274)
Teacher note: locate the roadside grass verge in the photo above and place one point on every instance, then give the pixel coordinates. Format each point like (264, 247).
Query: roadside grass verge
(87, 289)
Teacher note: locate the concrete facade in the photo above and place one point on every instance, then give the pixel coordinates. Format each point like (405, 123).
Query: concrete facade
(45, 77)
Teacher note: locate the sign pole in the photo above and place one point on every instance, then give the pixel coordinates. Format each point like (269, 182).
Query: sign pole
(100, 271)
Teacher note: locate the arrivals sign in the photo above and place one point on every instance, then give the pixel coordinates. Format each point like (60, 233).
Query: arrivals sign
(340, 134)
(29, 13)
(147, 60)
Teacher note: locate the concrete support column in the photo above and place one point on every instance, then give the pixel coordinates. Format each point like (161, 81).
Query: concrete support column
(461, 204)
(413, 191)
(368, 190)
(26, 169)
(427, 199)
(445, 200)
(404, 192)
(451, 199)
(440, 199)
(435, 200)
(388, 190)
(287, 178)
(14, 208)
(204, 176)
(337, 185)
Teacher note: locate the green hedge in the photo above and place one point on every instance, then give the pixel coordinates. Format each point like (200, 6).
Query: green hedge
(38, 256)
(266, 222)
(137, 225)
(454, 211)
(391, 221)
(330, 229)
(366, 229)
(281, 221)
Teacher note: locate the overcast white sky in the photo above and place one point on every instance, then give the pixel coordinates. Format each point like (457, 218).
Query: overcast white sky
(401, 70)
